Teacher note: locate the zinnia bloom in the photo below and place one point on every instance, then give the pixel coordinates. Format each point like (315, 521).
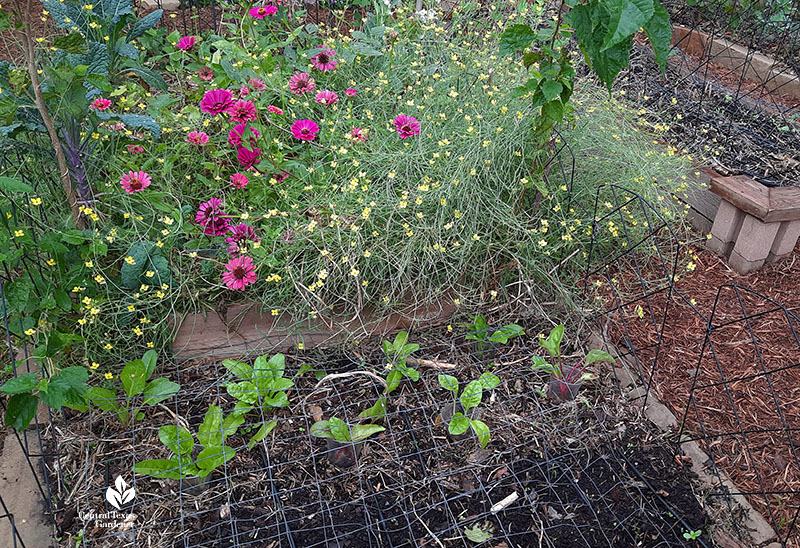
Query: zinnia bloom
(281, 176)
(212, 218)
(244, 91)
(242, 111)
(239, 180)
(257, 84)
(262, 11)
(101, 103)
(239, 272)
(216, 101)
(324, 60)
(358, 134)
(239, 236)
(274, 110)
(198, 138)
(186, 43)
(327, 98)
(301, 83)
(248, 158)
(134, 181)
(305, 130)
(407, 126)
(235, 135)
(205, 74)
(135, 149)
(351, 92)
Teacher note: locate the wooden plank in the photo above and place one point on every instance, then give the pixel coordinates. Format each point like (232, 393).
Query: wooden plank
(743, 192)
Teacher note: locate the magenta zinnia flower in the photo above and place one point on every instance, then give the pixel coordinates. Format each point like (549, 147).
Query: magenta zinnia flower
(101, 103)
(358, 134)
(301, 83)
(239, 180)
(235, 135)
(239, 273)
(212, 218)
(248, 158)
(135, 149)
(239, 236)
(407, 126)
(281, 176)
(216, 101)
(351, 92)
(242, 111)
(134, 181)
(244, 91)
(305, 130)
(262, 11)
(257, 84)
(186, 43)
(198, 138)
(327, 98)
(205, 74)
(274, 110)
(324, 60)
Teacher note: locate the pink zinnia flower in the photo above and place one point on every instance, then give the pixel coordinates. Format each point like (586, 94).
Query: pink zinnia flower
(212, 218)
(242, 111)
(324, 60)
(274, 110)
(239, 273)
(216, 101)
(134, 149)
(235, 135)
(301, 83)
(205, 74)
(327, 98)
(198, 138)
(134, 181)
(244, 91)
(248, 158)
(351, 92)
(305, 130)
(239, 180)
(358, 134)
(257, 84)
(407, 126)
(186, 43)
(262, 11)
(240, 235)
(101, 103)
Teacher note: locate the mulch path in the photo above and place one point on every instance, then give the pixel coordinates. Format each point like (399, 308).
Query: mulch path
(745, 379)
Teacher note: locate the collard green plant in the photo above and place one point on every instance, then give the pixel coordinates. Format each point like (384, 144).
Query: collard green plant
(211, 436)
(343, 432)
(469, 398)
(67, 388)
(139, 388)
(397, 352)
(262, 386)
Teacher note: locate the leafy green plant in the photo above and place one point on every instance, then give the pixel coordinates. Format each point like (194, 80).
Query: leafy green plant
(211, 435)
(397, 352)
(339, 430)
(145, 265)
(470, 398)
(481, 333)
(67, 388)
(480, 532)
(692, 535)
(136, 379)
(261, 386)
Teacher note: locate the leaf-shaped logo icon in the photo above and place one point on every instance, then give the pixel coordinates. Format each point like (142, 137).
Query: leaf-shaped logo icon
(121, 495)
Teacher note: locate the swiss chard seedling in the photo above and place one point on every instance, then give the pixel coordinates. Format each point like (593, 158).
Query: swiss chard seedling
(485, 338)
(136, 379)
(458, 413)
(344, 440)
(397, 352)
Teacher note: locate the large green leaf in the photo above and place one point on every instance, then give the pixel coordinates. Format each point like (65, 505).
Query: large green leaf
(449, 382)
(7, 184)
(20, 385)
(113, 10)
(160, 468)
(66, 14)
(458, 424)
(210, 431)
(71, 43)
(516, 37)
(240, 369)
(481, 430)
(20, 411)
(66, 387)
(472, 395)
(159, 390)
(262, 433)
(212, 457)
(244, 391)
(627, 17)
(151, 78)
(127, 50)
(177, 439)
(144, 24)
(363, 431)
(659, 31)
(134, 378)
(150, 359)
(103, 398)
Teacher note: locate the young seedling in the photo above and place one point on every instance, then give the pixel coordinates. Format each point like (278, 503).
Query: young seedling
(565, 380)
(136, 381)
(260, 386)
(396, 354)
(485, 339)
(457, 413)
(344, 440)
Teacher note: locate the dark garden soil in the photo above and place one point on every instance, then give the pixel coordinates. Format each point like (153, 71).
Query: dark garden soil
(746, 377)
(588, 473)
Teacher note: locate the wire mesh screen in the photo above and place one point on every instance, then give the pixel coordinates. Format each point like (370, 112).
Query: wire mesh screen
(731, 91)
